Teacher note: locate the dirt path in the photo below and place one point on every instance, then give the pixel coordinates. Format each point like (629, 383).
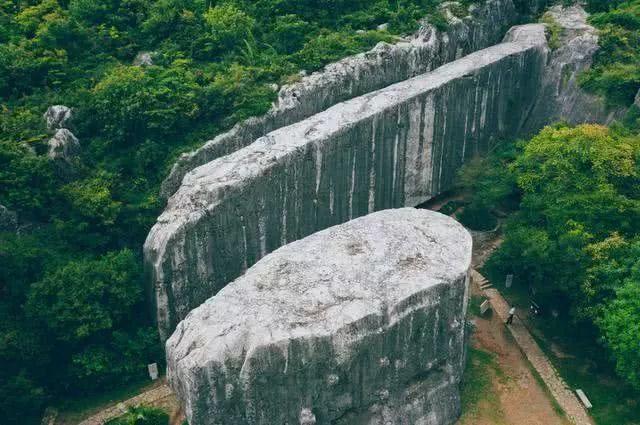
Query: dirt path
(159, 396)
(515, 396)
(558, 388)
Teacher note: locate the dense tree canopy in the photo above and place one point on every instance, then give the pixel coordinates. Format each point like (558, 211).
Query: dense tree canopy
(575, 236)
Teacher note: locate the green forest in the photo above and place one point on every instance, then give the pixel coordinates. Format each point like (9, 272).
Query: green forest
(73, 313)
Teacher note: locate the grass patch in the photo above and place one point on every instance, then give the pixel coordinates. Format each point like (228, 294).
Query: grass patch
(554, 30)
(477, 393)
(141, 416)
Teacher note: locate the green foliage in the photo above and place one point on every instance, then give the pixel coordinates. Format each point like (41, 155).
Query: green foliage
(26, 180)
(478, 217)
(620, 326)
(616, 70)
(554, 30)
(84, 297)
(228, 27)
(142, 416)
(574, 240)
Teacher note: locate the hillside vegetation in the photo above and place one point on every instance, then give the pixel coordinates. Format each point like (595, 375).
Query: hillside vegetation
(73, 314)
(73, 317)
(573, 239)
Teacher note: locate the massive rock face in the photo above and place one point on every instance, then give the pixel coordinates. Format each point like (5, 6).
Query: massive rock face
(384, 65)
(396, 147)
(359, 324)
(561, 97)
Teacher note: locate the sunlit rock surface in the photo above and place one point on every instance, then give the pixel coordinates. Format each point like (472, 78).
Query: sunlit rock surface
(561, 98)
(361, 323)
(63, 146)
(57, 116)
(357, 75)
(396, 147)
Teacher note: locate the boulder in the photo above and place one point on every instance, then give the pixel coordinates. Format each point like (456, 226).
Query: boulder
(359, 324)
(143, 59)
(8, 220)
(63, 146)
(57, 117)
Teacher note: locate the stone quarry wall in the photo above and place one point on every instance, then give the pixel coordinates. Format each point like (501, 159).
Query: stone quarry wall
(395, 147)
(359, 324)
(384, 65)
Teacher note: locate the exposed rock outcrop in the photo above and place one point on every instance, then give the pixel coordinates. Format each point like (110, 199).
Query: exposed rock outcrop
(8, 220)
(354, 76)
(359, 324)
(562, 99)
(396, 147)
(143, 59)
(57, 116)
(63, 146)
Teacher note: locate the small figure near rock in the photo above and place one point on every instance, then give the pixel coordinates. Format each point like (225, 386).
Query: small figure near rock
(512, 313)
(63, 146)
(58, 116)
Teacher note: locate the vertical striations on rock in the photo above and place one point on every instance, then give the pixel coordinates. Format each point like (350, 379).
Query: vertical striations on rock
(359, 324)
(357, 75)
(395, 147)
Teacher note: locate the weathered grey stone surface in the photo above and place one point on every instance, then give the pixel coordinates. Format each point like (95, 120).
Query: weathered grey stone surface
(57, 116)
(8, 220)
(562, 99)
(354, 76)
(362, 323)
(143, 59)
(396, 147)
(63, 146)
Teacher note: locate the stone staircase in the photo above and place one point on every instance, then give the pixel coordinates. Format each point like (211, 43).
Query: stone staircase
(480, 280)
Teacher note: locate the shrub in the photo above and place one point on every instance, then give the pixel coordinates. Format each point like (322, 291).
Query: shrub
(142, 416)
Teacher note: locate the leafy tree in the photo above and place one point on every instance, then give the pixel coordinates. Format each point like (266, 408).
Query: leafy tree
(621, 328)
(86, 297)
(574, 240)
(228, 27)
(26, 180)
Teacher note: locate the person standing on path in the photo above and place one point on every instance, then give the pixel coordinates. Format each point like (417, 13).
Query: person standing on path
(512, 312)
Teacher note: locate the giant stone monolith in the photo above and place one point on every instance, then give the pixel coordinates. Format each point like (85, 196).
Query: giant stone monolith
(361, 323)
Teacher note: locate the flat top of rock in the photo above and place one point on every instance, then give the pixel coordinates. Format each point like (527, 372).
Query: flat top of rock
(572, 17)
(318, 285)
(199, 188)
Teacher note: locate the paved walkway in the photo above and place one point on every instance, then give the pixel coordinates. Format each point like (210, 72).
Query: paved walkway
(556, 385)
(151, 396)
